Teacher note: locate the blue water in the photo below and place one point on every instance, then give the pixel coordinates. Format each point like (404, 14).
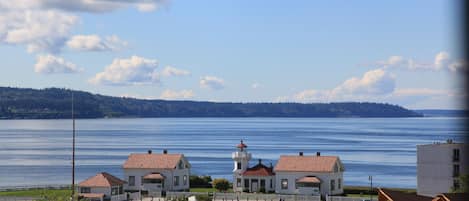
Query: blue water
(38, 152)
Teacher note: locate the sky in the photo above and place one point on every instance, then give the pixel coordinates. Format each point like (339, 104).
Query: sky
(397, 52)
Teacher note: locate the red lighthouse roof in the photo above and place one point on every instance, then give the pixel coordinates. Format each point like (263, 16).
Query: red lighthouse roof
(242, 145)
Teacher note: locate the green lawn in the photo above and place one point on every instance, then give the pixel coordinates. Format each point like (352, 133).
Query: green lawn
(204, 190)
(37, 192)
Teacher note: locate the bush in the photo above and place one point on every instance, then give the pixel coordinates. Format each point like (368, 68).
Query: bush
(203, 197)
(200, 181)
(262, 190)
(221, 185)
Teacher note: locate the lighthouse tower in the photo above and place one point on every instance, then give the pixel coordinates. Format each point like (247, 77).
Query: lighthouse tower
(241, 159)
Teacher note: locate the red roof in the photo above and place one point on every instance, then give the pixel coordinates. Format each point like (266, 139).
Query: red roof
(154, 176)
(307, 163)
(102, 179)
(259, 170)
(402, 196)
(308, 179)
(152, 161)
(242, 145)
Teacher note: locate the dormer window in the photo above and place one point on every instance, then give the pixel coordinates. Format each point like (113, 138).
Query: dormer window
(181, 165)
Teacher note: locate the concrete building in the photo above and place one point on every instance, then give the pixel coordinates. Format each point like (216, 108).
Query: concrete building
(438, 167)
(306, 175)
(152, 174)
(101, 187)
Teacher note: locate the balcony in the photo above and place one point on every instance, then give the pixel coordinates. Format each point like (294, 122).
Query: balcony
(241, 155)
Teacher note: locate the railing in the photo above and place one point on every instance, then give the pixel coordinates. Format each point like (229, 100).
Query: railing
(241, 155)
(29, 187)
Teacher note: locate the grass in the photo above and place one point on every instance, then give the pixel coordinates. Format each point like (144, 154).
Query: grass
(36, 193)
(206, 190)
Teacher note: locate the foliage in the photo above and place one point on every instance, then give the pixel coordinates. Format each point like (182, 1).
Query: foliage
(221, 185)
(200, 181)
(54, 103)
(204, 197)
(463, 184)
(203, 190)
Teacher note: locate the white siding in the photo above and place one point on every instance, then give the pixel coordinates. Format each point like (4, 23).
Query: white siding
(293, 176)
(435, 167)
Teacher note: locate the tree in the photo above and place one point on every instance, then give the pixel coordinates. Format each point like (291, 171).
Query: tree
(463, 184)
(200, 181)
(221, 185)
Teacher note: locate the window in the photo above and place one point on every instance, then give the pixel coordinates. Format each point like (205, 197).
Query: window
(263, 183)
(246, 183)
(284, 183)
(121, 190)
(339, 183)
(332, 185)
(271, 183)
(176, 180)
(238, 182)
(455, 170)
(115, 190)
(131, 180)
(181, 165)
(238, 166)
(184, 180)
(85, 190)
(456, 185)
(455, 155)
(141, 180)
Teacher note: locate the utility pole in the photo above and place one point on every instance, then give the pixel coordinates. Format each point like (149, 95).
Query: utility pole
(73, 149)
(370, 178)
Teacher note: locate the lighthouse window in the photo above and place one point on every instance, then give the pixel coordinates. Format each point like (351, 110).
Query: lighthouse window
(238, 165)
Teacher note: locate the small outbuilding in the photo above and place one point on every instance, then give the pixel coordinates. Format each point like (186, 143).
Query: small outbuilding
(102, 187)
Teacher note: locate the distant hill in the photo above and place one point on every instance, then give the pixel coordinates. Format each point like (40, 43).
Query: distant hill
(55, 103)
(443, 113)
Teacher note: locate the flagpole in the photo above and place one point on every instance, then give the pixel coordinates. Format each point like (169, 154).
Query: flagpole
(73, 148)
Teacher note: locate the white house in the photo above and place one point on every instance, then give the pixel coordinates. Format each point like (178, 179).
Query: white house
(255, 179)
(152, 174)
(307, 175)
(311, 175)
(101, 187)
(439, 166)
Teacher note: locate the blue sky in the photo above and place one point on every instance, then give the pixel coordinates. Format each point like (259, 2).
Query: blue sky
(400, 52)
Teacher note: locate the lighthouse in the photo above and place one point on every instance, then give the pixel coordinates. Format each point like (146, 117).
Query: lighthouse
(241, 158)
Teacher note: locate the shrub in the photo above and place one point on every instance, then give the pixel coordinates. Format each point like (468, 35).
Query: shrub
(221, 185)
(200, 181)
(203, 197)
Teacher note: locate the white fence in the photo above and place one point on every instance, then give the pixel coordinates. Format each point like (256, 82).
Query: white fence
(259, 197)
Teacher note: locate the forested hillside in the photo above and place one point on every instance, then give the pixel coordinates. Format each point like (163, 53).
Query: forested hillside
(55, 103)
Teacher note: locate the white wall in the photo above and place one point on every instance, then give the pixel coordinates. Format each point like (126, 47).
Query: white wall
(435, 167)
(267, 183)
(293, 176)
(107, 192)
(168, 181)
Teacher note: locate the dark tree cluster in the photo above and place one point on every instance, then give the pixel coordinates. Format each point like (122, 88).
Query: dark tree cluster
(55, 103)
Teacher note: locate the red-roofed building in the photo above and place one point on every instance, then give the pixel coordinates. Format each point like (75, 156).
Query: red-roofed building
(102, 186)
(307, 175)
(153, 173)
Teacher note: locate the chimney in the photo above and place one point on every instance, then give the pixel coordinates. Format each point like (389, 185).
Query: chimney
(301, 153)
(271, 165)
(165, 151)
(149, 151)
(318, 153)
(260, 161)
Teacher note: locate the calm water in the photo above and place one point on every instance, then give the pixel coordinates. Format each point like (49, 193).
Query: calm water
(36, 152)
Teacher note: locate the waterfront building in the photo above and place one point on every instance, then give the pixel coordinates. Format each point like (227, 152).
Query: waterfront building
(259, 178)
(300, 174)
(392, 195)
(152, 174)
(102, 186)
(439, 166)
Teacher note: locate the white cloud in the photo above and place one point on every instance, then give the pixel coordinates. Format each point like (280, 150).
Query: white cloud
(255, 85)
(171, 71)
(49, 64)
(374, 82)
(420, 92)
(38, 30)
(93, 6)
(442, 61)
(174, 95)
(132, 71)
(96, 43)
(212, 82)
